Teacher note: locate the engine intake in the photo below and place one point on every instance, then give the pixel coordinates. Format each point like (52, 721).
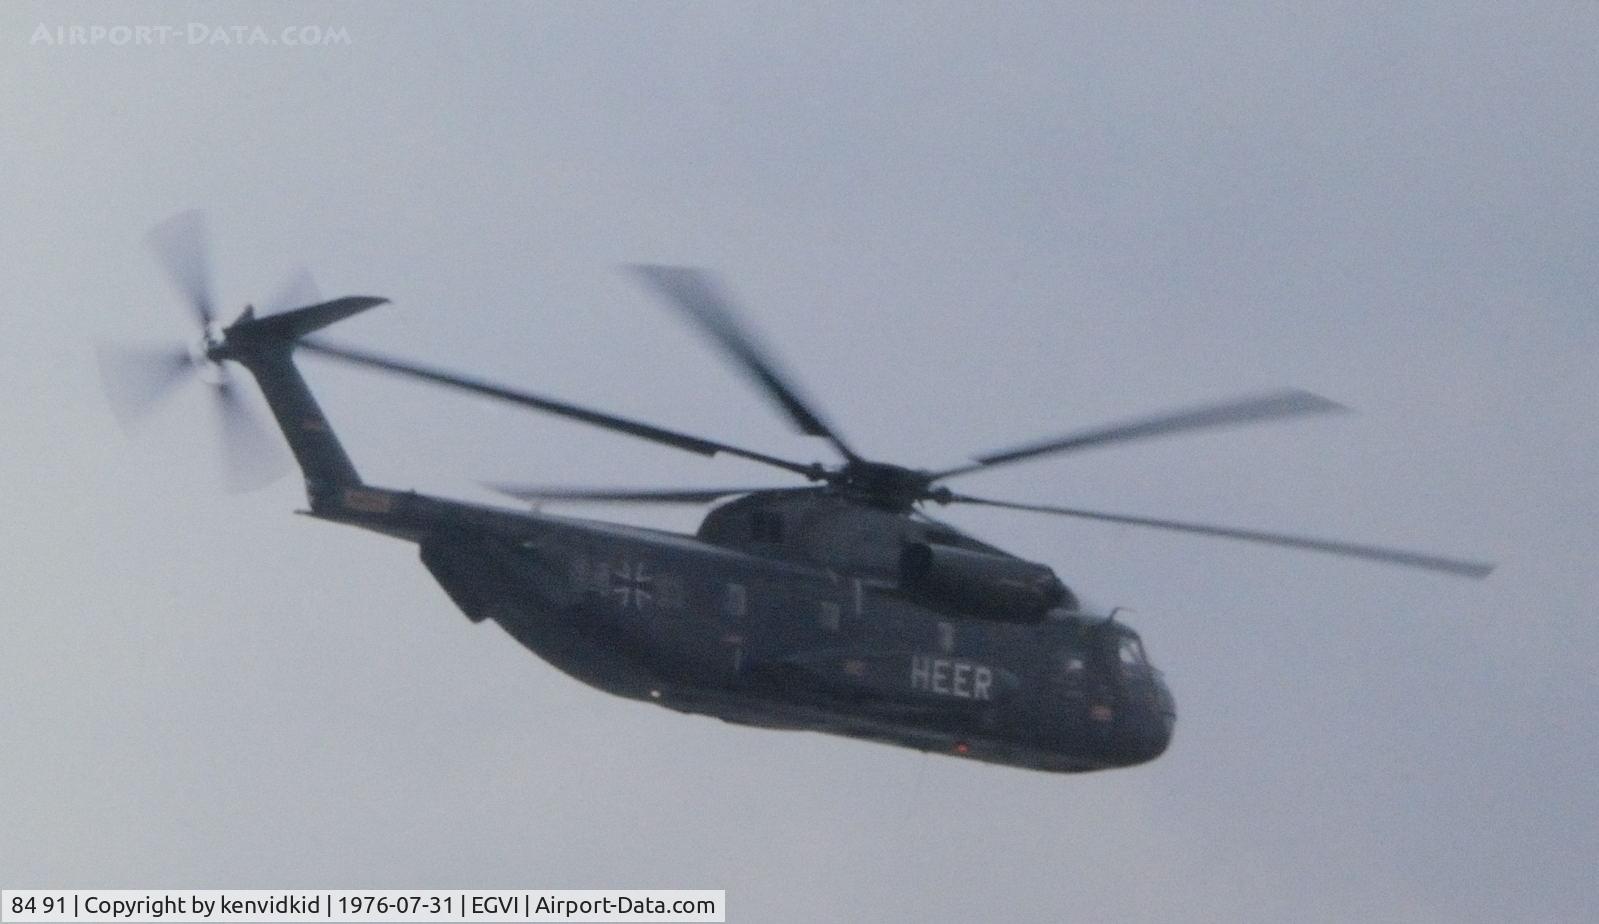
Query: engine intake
(980, 584)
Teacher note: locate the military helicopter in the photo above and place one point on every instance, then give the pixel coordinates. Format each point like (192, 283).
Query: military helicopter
(837, 606)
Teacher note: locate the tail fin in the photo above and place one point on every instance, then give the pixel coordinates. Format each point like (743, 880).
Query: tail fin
(265, 347)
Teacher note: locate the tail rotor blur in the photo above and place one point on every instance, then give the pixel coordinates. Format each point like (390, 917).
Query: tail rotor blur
(139, 379)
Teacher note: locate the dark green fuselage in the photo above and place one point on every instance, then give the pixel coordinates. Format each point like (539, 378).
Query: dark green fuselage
(755, 633)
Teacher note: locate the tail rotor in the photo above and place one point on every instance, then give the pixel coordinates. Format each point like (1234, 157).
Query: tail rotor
(138, 379)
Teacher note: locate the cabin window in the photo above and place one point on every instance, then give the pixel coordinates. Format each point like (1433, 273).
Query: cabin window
(1131, 651)
(829, 615)
(735, 601)
(766, 526)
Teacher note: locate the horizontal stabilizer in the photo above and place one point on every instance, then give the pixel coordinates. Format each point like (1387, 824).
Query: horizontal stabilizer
(292, 325)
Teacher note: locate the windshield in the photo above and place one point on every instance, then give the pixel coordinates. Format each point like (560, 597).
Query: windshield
(1131, 652)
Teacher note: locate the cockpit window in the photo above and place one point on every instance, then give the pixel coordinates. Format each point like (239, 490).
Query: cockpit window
(1131, 651)
(1071, 664)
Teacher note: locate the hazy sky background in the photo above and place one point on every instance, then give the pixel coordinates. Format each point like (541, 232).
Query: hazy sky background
(964, 227)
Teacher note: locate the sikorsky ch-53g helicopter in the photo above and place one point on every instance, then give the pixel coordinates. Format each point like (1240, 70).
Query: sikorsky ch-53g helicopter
(838, 606)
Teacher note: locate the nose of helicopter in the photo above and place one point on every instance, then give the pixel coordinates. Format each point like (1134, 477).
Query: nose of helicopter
(1147, 729)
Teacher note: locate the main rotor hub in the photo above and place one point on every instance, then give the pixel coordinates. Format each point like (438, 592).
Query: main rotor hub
(883, 484)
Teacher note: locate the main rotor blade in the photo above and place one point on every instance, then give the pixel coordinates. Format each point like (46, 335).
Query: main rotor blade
(180, 245)
(1274, 405)
(550, 405)
(609, 495)
(1422, 560)
(698, 295)
(135, 378)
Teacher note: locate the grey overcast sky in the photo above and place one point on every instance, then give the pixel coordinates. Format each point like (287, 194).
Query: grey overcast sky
(964, 226)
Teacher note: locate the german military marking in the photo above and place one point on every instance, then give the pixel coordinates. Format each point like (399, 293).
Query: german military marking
(633, 585)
